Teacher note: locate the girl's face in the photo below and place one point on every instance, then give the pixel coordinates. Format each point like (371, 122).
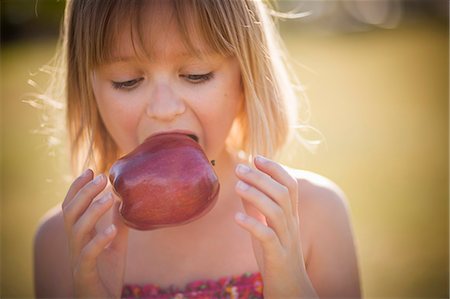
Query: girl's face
(172, 91)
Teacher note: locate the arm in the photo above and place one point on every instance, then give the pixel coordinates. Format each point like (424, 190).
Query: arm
(280, 208)
(332, 263)
(72, 257)
(270, 198)
(97, 256)
(52, 278)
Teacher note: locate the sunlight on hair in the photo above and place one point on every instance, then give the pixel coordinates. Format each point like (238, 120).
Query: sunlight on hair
(303, 136)
(290, 15)
(41, 100)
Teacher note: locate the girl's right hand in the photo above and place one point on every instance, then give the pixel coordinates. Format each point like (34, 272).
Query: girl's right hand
(97, 258)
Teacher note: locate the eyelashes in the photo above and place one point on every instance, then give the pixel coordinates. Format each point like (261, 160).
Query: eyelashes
(127, 85)
(192, 78)
(196, 79)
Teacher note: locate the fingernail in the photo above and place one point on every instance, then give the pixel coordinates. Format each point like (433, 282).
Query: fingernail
(243, 186)
(105, 198)
(243, 168)
(110, 229)
(85, 173)
(261, 159)
(98, 179)
(239, 216)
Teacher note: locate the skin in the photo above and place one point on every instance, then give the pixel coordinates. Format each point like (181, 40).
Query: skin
(291, 226)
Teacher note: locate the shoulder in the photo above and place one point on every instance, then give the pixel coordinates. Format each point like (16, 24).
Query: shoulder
(51, 257)
(50, 235)
(323, 209)
(319, 195)
(326, 226)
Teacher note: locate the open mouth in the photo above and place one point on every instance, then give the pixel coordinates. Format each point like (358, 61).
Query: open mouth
(195, 138)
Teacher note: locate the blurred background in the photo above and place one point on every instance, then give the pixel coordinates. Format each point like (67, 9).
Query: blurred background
(376, 75)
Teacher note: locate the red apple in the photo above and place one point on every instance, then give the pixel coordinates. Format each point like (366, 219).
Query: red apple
(165, 181)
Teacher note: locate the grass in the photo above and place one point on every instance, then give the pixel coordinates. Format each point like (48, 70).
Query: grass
(380, 99)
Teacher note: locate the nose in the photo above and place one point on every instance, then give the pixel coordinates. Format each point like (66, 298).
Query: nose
(164, 104)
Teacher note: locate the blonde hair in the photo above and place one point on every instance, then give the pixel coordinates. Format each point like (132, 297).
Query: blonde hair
(243, 29)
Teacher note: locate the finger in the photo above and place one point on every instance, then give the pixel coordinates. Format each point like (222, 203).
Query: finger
(265, 235)
(91, 251)
(279, 174)
(253, 212)
(81, 201)
(262, 181)
(273, 213)
(79, 182)
(120, 242)
(85, 226)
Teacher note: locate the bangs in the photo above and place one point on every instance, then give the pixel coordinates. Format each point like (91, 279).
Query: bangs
(140, 23)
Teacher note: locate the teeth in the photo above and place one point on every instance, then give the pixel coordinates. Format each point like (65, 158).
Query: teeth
(195, 138)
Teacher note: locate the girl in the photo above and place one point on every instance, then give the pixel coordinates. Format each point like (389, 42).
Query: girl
(210, 68)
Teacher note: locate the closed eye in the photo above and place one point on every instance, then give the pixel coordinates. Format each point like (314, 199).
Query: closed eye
(128, 85)
(198, 78)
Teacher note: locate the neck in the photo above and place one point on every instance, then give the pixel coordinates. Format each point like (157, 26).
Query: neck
(224, 165)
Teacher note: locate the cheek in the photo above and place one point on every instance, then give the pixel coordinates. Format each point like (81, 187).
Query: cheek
(217, 117)
(120, 120)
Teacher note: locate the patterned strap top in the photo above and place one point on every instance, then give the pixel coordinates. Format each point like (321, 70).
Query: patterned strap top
(246, 286)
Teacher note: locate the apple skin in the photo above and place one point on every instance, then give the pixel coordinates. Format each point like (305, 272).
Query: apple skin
(166, 181)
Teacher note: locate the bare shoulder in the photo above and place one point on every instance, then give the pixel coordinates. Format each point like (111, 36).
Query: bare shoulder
(319, 195)
(325, 221)
(52, 275)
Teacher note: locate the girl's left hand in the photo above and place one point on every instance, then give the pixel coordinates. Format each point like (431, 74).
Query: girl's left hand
(270, 197)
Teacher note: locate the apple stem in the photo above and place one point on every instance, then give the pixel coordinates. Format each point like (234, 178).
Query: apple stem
(213, 162)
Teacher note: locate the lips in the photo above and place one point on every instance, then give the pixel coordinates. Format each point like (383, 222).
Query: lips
(194, 137)
(190, 134)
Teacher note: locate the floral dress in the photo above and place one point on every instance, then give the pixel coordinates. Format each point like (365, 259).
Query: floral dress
(246, 286)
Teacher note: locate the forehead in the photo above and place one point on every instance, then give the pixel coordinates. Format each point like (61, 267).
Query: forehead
(156, 45)
(156, 32)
